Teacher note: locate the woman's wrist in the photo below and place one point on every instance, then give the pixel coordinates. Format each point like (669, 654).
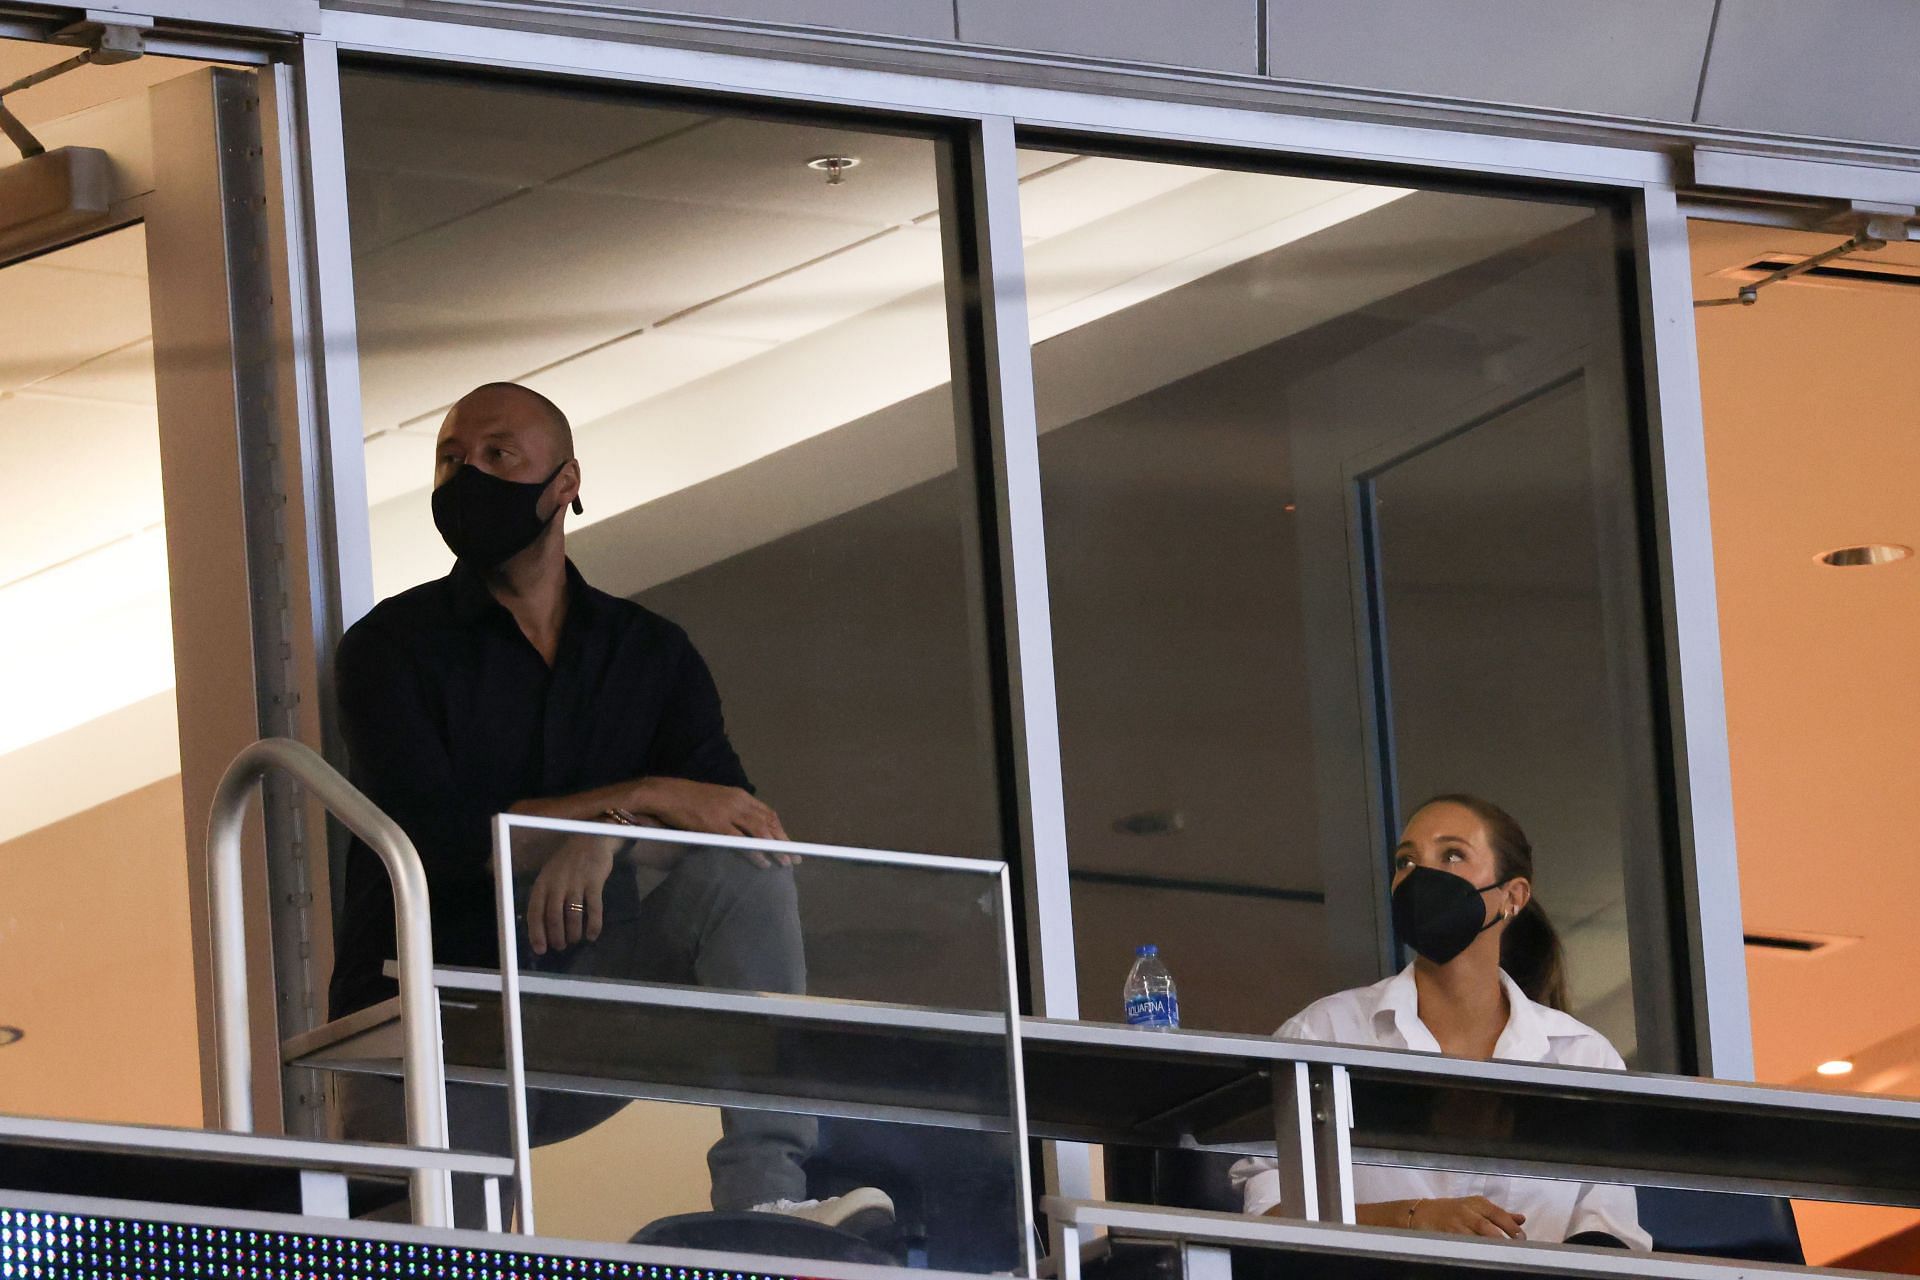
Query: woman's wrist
(1385, 1213)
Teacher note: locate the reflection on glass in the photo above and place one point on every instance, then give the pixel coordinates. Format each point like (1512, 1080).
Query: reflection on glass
(880, 1078)
(1222, 358)
(755, 361)
(1506, 624)
(95, 939)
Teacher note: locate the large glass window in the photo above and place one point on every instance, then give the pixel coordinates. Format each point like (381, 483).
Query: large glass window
(99, 1018)
(746, 321)
(1339, 515)
(95, 943)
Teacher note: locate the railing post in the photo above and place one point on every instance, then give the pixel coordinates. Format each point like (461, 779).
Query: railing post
(1293, 1137)
(1313, 1123)
(425, 1067)
(1333, 1141)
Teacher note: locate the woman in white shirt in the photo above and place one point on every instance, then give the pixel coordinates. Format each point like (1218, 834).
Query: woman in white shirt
(1487, 982)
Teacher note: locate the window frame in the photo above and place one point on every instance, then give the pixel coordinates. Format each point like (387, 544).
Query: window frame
(988, 117)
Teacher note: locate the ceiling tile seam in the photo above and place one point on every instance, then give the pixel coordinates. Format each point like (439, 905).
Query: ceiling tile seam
(38, 392)
(143, 531)
(661, 323)
(544, 182)
(32, 265)
(73, 368)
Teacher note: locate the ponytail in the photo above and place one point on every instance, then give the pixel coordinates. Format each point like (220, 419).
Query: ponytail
(1530, 952)
(1530, 948)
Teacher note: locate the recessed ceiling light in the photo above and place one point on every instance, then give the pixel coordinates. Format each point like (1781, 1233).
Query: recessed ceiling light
(1837, 1067)
(1865, 554)
(11, 1035)
(835, 167)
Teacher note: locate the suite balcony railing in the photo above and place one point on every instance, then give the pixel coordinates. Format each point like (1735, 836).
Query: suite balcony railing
(965, 1064)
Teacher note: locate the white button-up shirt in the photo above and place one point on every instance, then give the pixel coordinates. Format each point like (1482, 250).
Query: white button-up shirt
(1386, 1015)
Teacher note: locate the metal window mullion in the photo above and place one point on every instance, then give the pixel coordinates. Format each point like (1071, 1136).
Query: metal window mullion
(1696, 696)
(1006, 386)
(335, 349)
(1006, 354)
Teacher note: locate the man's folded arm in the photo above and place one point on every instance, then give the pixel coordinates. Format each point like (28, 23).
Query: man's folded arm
(691, 741)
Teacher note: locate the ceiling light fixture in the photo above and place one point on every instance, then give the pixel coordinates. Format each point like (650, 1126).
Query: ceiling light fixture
(835, 167)
(1837, 1067)
(1866, 554)
(11, 1035)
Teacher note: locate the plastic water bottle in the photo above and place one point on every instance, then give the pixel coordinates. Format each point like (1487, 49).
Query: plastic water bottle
(1150, 995)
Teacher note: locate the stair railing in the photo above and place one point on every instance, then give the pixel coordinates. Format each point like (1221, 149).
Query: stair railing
(425, 1076)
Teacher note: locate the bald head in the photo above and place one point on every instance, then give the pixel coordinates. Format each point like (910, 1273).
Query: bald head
(509, 431)
(497, 401)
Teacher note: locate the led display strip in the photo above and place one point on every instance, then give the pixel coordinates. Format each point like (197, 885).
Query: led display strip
(37, 1245)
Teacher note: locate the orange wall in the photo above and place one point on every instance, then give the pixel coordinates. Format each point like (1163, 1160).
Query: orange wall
(96, 965)
(1813, 442)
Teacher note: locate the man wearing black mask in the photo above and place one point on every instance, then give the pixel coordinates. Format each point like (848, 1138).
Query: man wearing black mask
(511, 685)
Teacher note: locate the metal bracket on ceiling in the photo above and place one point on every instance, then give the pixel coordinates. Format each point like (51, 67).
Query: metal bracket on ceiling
(108, 38)
(1872, 227)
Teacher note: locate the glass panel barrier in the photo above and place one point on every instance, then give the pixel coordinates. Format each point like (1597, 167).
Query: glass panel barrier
(732, 1023)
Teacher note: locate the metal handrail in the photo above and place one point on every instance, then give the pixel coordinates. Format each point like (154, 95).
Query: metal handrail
(425, 1077)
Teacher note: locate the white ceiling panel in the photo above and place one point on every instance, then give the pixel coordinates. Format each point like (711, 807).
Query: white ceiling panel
(906, 260)
(78, 474)
(52, 319)
(760, 165)
(118, 253)
(79, 89)
(597, 265)
(122, 377)
(96, 635)
(1070, 195)
(634, 370)
(496, 133)
(1163, 229)
(415, 361)
(397, 463)
(385, 207)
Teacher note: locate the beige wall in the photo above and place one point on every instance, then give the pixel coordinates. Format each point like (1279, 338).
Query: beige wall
(96, 967)
(646, 1163)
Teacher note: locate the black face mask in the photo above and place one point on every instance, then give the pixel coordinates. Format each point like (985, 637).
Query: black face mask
(1438, 914)
(486, 520)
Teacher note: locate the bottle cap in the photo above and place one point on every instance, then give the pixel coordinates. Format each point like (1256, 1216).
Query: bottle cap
(1148, 950)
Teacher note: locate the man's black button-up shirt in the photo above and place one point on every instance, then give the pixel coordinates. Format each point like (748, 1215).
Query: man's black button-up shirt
(452, 716)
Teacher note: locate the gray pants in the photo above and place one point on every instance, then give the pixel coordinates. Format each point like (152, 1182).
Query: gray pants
(715, 920)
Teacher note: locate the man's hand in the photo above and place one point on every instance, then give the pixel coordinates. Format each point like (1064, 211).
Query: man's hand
(575, 873)
(715, 810)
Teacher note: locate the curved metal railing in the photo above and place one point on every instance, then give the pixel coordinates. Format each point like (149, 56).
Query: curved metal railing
(425, 1068)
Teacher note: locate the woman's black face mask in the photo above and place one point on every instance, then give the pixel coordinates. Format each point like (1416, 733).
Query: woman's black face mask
(486, 520)
(1439, 914)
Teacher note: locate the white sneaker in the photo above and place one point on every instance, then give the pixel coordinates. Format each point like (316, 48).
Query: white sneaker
(862, 1210)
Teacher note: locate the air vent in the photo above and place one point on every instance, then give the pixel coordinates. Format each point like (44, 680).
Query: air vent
(1797, 944)
(1838, 274)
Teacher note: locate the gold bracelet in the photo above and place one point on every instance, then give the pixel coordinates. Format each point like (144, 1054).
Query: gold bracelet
(621, 816)
(1411, 1210)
